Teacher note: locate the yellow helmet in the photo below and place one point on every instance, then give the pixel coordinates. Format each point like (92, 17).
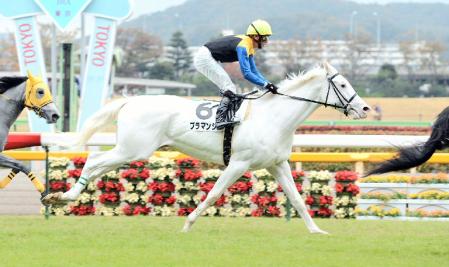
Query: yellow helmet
(259, 27)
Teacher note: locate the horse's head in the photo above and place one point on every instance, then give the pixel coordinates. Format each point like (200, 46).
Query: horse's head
(340, 93)
(39, 99)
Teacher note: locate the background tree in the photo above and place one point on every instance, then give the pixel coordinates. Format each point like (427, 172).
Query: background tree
(8, 59)
(179, 54)
(162, 71)
(140, 49)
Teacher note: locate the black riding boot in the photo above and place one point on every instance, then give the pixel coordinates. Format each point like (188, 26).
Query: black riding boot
(225, 111)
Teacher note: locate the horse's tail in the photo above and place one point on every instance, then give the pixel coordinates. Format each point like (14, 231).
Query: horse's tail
(409, 157)
(99, 120)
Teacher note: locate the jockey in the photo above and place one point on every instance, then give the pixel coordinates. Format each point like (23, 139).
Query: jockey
(233, 48)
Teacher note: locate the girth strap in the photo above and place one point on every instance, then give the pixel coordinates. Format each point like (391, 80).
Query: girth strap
(227, 144)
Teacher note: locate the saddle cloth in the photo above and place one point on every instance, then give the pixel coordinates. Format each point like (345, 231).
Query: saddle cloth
(202, 117)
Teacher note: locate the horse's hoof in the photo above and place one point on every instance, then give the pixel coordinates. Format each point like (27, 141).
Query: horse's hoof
(319, 231)
(186, 227)
(53, 198)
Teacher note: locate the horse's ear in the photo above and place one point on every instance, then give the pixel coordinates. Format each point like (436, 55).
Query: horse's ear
(30, 75)
(326, 66)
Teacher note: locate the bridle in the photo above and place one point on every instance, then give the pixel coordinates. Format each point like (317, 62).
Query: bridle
(345, 104)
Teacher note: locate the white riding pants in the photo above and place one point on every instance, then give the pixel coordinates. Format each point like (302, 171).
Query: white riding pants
(209, 67)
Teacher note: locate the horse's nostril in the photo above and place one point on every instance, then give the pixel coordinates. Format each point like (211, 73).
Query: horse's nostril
(366, 109)
(55, 117)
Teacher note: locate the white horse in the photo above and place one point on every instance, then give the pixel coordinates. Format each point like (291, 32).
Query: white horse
(262, 140)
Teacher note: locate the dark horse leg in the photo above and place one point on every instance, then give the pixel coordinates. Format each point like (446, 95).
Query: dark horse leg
(17, 167)
(412, 156)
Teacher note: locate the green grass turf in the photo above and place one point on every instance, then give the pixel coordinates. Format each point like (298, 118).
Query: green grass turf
(155, 241)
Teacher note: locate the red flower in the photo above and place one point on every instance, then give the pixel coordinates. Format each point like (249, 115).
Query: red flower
(144, 174)
(339, 188)
(59, 186)
(137, 164)
(100, 184)
(240, 187)
(255, 198)
(79, 162)
(325, 200)
(312, 213)
(324, 212)
(352, 188)
(170, 200)
(187, 163)
(156, 199)
(82, 210)
(297, 174)
(166, 187)
(76, 173)
(141, 210)
(247, 175)
(185, 211)
(346, 176)
(110, 197)
(257, 213)
(154, 186)
(273, 210)
(130, 174)
(221, 201)
(206, 187)
(310, 200)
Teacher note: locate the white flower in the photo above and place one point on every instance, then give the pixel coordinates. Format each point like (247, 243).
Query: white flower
(326, 190)
(158, 162)
(340, 213)
(167, 211)
(59, 212)
(259, 186)
(129, 187)
(272, 186)
(226, 211)
(316, 187)
(58, 175)
(111, 175)
(211, 211)
(91, 186)
(282, 199)
(105, 211)
(163, 173)
(178, 185)
(236, 198)
(197, 198)
(190, 186)
(242, 211)
(184, 199)
(132, 198)
(212, 174)
(343, 201)
(84, 198)
(262, 174)
(142, 187)
(320, 176)
(246, 199)
(119, 211)
(58, 162)
(306, 188)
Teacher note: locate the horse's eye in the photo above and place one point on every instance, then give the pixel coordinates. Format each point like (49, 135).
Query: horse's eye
(343, 86)
(40, 91)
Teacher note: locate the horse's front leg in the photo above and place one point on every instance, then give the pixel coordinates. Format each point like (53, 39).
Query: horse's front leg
(283, 174)
(234, 171)
(17, 167)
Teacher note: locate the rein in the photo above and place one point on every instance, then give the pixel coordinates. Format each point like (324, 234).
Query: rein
(344, 103)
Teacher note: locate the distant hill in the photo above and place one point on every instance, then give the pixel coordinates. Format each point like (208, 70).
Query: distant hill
(201, 20)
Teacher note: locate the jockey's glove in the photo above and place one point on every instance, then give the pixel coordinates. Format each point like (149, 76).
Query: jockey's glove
(272, 88)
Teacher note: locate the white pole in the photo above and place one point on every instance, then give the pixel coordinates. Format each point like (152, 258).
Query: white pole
(54, 83)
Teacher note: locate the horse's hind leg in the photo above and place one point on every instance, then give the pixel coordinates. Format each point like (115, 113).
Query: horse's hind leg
(17, 167)
(234, 171)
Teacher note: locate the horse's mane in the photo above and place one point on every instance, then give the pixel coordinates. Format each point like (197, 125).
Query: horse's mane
(294, 80)
(10, 82)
